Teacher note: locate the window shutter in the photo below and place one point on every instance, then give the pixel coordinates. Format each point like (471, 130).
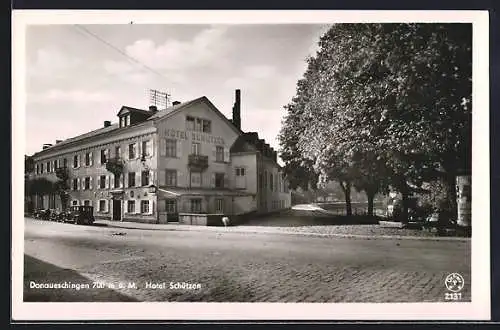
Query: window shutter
(163, 147)
(78, 185)
(138, 178)
(125, 208)
(150, 208)
(151, 177)
(78, 160)
(90, 184)
(212, 181)
(106, 205)
(122, 179)
(137, 150)
(125, 179)
(112, 181)
(106, 182)
(152, 147)
(162, 178)
(91, 159)
(226, 155)
(125, 152)
(137, 207)
(178, 144)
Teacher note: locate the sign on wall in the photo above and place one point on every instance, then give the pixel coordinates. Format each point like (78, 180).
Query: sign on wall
(194, 136)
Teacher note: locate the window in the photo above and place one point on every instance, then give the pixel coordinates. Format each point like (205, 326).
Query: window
(41, 168)
(48, 167)
(145, 207)
(86, 203)
(130, 206)
(75, 184)
(117, 151)
(56, 164)
(219, 205)
(145, 178)
(145, 148)
(195, 148)
(171, 206)
(271, 181)
(240, 182)
(65, 162)
(75, 161)
(37, 168)
(127, 120)
(240, 171)
(219, 154)
(207, 126)
(131, 151)
(171, 148)
(87, 183)
(198, 124)
(103, 156)
(131, 179)
(190, 123)
(219, 180)
(74, 203)
(195, 205)
(117, 182)
(102, 181)
(102, 205)
(87, 159)
(171, 178)
(195, 179)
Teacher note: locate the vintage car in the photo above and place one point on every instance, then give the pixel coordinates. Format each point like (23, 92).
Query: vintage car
(80, 215)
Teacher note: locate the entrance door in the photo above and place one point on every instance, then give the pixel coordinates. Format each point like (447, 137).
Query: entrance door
(117, 210)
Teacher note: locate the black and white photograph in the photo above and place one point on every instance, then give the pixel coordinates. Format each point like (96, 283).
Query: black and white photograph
(332, 167)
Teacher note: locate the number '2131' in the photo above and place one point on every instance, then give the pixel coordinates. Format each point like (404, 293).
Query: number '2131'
(453, 296)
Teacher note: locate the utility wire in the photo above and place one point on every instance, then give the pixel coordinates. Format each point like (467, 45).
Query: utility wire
(81, 28)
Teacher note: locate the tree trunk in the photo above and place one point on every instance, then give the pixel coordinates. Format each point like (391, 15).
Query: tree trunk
(346, 188)
(370, 197)
(405, 193)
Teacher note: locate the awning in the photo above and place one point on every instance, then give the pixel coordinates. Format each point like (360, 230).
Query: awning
(170, 192)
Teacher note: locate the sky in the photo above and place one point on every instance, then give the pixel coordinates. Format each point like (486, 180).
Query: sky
(76, 81)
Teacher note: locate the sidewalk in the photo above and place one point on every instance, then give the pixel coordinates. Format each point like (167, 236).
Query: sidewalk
(348, 231)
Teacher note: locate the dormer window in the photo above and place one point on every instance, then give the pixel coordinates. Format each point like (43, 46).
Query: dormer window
(125, 121)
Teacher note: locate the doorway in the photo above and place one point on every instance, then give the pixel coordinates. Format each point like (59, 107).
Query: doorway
(117, 210)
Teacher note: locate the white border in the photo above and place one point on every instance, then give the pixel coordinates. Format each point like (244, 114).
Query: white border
(478, 309)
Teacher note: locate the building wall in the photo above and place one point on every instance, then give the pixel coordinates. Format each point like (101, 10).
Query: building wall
(174, 128)
(272, 196)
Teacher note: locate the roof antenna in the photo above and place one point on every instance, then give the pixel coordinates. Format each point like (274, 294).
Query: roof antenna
(159, 99)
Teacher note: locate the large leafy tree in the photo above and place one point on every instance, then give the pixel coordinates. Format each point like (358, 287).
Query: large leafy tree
(389, 102)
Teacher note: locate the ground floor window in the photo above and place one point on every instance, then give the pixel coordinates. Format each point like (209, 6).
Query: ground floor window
(219, 205)
(86, 203)
(102, 205)
(145, 207)
(131, 206)
(171, 206)
(196, 205)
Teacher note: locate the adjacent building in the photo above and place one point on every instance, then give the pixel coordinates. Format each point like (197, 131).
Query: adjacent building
(184, 163)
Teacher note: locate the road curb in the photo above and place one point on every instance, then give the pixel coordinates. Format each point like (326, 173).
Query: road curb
(279, 232)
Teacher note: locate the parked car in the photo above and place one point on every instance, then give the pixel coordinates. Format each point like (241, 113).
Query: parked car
(43, 214)
(80, 215)
(57, 215)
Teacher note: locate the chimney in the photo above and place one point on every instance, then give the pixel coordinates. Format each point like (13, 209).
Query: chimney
(46, 145)
(153, 108)
(175, 103)
(107, 123)
(237, 109)
(58, 141)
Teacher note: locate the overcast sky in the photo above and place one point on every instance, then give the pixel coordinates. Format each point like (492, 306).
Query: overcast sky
(75, 82)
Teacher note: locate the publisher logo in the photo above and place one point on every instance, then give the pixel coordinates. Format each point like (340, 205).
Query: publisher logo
(454, 282)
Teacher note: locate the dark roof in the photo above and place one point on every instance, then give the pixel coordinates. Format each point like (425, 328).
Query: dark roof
(131, 109)
(162, 113)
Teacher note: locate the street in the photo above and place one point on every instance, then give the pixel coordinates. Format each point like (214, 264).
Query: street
(219, 265)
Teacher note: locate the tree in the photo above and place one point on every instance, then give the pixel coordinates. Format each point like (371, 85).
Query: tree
(388, 102)
(61, 186)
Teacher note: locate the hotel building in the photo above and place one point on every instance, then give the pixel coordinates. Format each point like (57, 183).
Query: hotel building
(187, 163)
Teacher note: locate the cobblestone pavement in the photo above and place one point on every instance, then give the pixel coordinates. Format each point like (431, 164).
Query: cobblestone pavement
(248, 267)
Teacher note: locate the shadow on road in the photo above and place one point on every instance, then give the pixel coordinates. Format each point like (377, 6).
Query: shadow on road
(294, 218)
(40, 272)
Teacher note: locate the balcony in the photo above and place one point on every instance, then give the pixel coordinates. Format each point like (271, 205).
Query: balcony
(197, 162)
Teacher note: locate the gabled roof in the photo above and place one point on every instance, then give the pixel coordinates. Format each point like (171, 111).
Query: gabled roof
(131, 109)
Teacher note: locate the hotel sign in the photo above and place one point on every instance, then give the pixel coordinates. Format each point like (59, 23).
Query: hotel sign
(194, 136)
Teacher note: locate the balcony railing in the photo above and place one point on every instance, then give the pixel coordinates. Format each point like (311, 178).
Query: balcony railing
(198, 162)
